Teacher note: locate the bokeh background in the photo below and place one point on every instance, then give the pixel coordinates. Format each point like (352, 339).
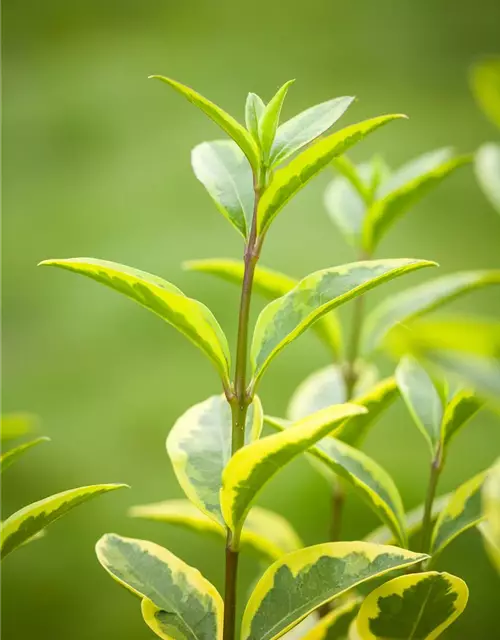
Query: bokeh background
(96, 163)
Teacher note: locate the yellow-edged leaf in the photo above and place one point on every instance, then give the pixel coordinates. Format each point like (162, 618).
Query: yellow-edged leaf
(190, 317)
(460, 409)
(9, 457)
(268, 122)
(490, 527)
(335, 624)
(304, 580)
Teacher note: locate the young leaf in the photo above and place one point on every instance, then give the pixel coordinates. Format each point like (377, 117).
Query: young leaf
(15, 425)
(335, 625)
(199, 447)
(269, 120)
(266, 532)
(346, 208)
(190, 317)
(304, 580)
(187, 606)
(27, 522)
(422, 399)
(253, 466)
(306, 127)
(225, 173)
(9, 457)
(419, 300)
(485, 80)
(404, 189)
(271, 285)
(226, 122)
(254, 108)
(487, 167)
(490, 527)
(319, 390)
(289, 180)
(458, 411)
(462, 512)
(421, 605)
(287, 317)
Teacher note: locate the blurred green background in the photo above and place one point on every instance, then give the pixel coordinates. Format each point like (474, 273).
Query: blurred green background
(96, 163)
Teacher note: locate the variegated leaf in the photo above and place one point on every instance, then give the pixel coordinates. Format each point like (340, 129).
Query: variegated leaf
(335, 624)
(190, 317)
(461, 408)
(286, 318)
(268, 122)
(9, 457)
(288, 181)
(490, 527)
(226, 122)
(199, 447)
(185, 606)
(225, 173)
(266, 532)
(254, 108)
(421, 605)
(29, 521)
(253, 466)
(304, 580)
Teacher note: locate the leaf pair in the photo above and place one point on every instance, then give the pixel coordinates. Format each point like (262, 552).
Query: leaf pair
(366, 201)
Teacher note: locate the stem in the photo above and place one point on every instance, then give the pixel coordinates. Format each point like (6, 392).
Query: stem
(239, 401)
(350, 374)
(436, 467)
(338, 499)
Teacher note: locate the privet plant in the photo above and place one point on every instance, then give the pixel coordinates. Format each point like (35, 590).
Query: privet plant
(216, 447)
(30, 522)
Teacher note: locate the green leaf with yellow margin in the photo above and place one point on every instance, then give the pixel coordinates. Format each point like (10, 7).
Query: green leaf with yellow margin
(271, 285)
(268, 122)
(190, 317)
(186, 605)
(462, 512)
(485, 81)
(15, 425)
(286, 318)
(487, 168)
(416, 301)
(367, 478)
(304, 580)
(226, 122)
(254, 108)
(404, 188)
(199, 447)
(490, 527)
(287, 182)
(459, 410)
(27, 522)
(9, 457)
(253, 466)
(420, 605)
(266, 532)
(222, 169)
(306, 127)
(335, 624)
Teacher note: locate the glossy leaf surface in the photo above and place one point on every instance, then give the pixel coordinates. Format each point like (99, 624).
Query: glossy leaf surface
(254, 108)
(460, 409)
(29, 521)
(268, 122)
(190, 317)
(12, 455)
(286, 318)
(199, 447)
(301, 582)
(253, 466)
(421, 605)
(226, 122)
(225, 173)
(186, 605)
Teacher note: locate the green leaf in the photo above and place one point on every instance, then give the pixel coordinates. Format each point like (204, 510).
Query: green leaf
(367, 478)
(287, 317)
(199, 447)
(413, 522)
(321, 389)
(346, 208)
(462, 512)
(271, 285)
(461, 408)
(9, 457)
(487, 167)
(265, 532)
(416, 301)
(253, 466)
(421, 605)
(225, 173)
(186, 605)
(254, 108)
(190, 317)
(289, 180)
(226, 122)
(304, 580)
(269, 120)
(15, 425)
(491, 545)
(485, 80)
(490, 527)
(422, 400)
(406, 187)
(27, 522)
(335, 624)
